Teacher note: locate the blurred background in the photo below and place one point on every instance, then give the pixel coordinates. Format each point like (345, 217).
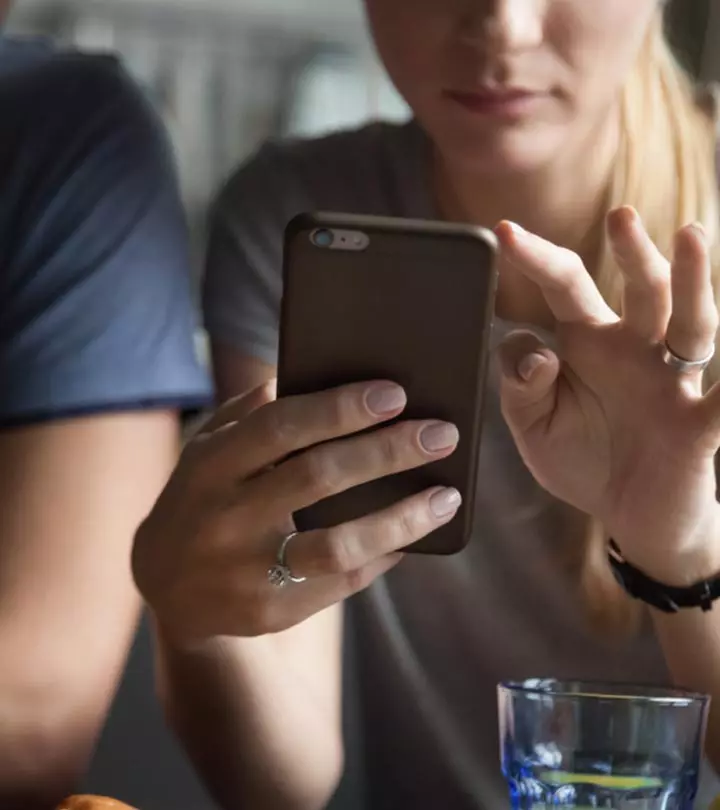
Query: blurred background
(225, 75)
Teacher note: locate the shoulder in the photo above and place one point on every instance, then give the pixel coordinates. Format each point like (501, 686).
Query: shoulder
(67, 106)
(77, 134)
(83, 162)
(79, 137)
(33, 68)
(93, 240)
(353, 170)
(98, 92)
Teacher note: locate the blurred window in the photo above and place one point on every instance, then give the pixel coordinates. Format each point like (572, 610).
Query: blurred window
(337, 91)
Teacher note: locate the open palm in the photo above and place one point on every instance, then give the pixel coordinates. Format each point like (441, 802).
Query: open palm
(604, 424)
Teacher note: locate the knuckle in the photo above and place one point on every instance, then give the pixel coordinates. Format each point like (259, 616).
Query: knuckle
(339, 551)
(573, 262)
(657, 284)
(347, 409)
(277, 426)
(402, 528)
(358, 580)
(409, 525)
(567, 269)
(708, 323)
(684, 336)
(341, 408)
(319, 473)
(395, 445)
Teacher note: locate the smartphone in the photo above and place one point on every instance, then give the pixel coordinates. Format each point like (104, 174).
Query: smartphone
(410, 301)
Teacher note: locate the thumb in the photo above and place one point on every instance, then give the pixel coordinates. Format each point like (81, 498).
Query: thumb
(529, 373)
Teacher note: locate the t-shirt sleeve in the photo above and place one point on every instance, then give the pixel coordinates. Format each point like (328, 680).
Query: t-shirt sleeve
(96, 287)
(243, 278)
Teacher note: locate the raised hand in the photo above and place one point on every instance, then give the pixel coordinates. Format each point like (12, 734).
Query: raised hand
(611, 422)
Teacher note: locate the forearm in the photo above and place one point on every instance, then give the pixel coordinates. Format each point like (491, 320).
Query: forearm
(259, 735)
(48, 730)
(691, 642)
(691, 638)
(69, 506)
(56, 685)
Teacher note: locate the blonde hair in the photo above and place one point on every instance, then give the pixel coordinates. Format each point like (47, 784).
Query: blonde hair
(665, 169)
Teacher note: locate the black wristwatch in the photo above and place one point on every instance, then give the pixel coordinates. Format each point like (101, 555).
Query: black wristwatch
(666, 598)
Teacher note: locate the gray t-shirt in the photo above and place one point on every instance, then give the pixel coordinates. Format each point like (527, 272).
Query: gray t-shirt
(96, 310)
(436, 635)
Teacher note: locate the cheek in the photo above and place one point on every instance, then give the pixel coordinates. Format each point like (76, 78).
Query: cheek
(600, 44)
(410, 40)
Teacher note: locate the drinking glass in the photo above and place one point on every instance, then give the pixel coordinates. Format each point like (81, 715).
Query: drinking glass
(600, 745)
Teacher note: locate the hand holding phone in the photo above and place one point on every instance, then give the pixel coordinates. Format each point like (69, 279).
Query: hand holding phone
(368, 298)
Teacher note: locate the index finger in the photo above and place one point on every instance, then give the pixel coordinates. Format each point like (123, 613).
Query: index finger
(566, 285)
(283, 427)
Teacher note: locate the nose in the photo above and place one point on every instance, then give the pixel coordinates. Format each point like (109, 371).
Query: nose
(504, 25)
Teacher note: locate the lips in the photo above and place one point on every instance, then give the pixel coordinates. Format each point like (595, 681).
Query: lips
(510, 101)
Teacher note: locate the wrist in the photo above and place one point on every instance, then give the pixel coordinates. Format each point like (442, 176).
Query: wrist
(692, 560)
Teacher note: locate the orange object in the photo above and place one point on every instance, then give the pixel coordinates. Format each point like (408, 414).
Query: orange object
(92, 803)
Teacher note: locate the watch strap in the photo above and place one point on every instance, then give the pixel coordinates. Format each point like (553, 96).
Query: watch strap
(666, 598)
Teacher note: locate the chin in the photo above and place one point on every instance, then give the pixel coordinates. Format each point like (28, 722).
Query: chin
(499, 153)
(497, 147)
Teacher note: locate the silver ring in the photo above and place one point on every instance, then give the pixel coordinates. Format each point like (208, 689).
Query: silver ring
(281, 574)
(681, 364)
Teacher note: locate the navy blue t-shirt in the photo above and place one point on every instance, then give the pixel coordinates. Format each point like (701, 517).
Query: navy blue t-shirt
(96, 309)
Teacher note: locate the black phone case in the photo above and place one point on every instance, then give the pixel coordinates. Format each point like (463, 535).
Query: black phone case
(414, 307)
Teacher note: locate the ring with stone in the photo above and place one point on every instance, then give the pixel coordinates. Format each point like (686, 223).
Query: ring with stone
(280, 575)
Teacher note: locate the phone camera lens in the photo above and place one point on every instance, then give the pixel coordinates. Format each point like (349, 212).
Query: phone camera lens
(323, 238)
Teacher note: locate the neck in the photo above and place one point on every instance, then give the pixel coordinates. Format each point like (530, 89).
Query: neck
(563, 201)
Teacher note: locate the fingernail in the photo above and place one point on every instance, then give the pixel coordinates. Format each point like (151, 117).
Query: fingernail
(515, 228)
(621, 223)
(445, 502)
(384, 399)
(439, 436)
(699, 229)
(632, 214)
(526, 367)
